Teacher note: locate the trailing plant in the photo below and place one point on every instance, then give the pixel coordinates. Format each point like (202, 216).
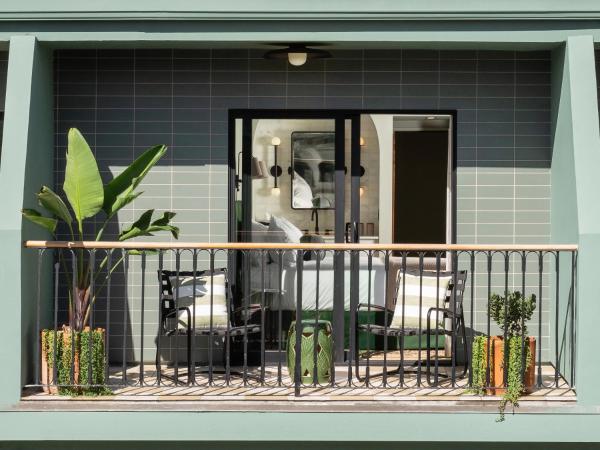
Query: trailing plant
(514, 384)
(88, 198)
(73, 370)
(511, 313)
(478, 364)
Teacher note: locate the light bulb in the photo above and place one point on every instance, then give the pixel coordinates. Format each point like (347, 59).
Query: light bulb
(297, 59)
(275, 141)
(361, 190)
(362, 141)
(275, 192)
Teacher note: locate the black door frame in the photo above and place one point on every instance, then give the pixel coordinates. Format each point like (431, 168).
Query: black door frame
(340, 116)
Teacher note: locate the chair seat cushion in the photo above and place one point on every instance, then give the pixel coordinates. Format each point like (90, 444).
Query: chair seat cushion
(416, 295)
(210, 296)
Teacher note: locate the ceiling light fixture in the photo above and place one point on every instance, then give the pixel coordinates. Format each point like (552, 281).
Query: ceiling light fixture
(297, 54)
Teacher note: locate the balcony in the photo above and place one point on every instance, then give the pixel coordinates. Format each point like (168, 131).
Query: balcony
(235, 342)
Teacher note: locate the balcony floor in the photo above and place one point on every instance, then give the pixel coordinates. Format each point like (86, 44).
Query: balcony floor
(271, 391)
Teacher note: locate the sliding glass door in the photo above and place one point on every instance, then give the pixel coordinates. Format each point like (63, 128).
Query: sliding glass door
(295, 177)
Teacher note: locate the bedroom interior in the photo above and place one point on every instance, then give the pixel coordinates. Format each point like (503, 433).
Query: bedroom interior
(399, 159)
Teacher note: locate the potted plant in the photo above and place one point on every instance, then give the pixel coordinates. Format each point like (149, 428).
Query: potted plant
(511, 314)
(68, 348)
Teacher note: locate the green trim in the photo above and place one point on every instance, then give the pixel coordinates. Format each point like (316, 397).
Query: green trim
(27, 161)
(251, 427)
(274, 9)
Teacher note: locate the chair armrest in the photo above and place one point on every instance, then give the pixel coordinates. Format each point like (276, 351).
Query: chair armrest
(251, 311)
(373, 308)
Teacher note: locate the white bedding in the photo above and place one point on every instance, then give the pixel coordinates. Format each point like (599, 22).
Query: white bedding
(289, 282)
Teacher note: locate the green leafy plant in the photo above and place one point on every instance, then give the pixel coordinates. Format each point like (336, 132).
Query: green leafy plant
(512, 312)
(89, 198)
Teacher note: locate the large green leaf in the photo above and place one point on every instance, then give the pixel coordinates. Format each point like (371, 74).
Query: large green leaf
(144, 226)
(53, 203)
(45, 222)
(119, 191)
(83, 184)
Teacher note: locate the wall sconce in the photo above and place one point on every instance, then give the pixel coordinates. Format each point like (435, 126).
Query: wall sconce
(362, 141)
(361, 190)
(297, 54)
(276, 171)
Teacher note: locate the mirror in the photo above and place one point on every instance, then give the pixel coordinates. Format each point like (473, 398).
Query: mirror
(313, 170)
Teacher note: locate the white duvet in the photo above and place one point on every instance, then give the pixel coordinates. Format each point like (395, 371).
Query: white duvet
(323, 297)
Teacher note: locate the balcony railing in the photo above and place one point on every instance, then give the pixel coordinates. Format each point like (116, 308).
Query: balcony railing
(381, 319)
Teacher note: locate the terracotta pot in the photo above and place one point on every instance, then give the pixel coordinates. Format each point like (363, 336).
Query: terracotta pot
(497, 366)
(47, 371)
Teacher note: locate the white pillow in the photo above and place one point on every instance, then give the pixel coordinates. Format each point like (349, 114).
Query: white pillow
(202, 311)
(425, 290)
(302, 195)
(291, 231)
(280, 226)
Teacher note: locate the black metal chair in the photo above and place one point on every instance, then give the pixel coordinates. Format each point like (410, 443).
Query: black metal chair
(451, 307)
(240, 321)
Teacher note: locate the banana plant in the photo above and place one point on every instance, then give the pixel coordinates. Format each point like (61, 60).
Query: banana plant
(88, 197)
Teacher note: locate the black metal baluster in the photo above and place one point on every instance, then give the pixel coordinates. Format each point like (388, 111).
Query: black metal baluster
(176, 303)
(262, 317)
(55, 330)
(401, 338)
(385, 318)
(472, 316)
(556, 319)
(506, 337)
(369, 299)
(72, 328)
(541, 273)
(279, 314)
(211, 256)
(160, 318)
(298, 344)
(316, 329)
(124, 344)
(454, 321)
(437, 321)
(420, 328)
(38, 331)
(107, 336)
(489, 324)
(91, 303)
(192, 339)
(523, 335)
(351, 334)
(143, 309)
(247, 294)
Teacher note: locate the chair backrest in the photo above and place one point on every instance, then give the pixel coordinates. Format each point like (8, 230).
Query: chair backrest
(453, 298)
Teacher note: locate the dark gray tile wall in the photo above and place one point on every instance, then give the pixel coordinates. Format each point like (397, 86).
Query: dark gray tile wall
(127, 100)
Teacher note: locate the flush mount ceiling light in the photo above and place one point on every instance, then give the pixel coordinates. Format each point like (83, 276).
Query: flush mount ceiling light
(297, 54)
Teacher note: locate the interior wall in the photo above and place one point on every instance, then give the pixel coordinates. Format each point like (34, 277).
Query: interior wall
(265, 204)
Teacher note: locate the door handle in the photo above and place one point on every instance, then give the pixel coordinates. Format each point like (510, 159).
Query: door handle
(351, 233)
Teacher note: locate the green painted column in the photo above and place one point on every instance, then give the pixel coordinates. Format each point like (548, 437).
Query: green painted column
(27, 162)
(575, 194)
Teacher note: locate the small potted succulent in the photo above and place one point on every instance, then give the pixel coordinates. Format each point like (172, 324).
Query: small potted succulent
(66, 351)
(511, 313)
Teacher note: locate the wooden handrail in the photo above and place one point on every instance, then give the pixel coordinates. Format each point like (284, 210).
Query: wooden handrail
(302, 246)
